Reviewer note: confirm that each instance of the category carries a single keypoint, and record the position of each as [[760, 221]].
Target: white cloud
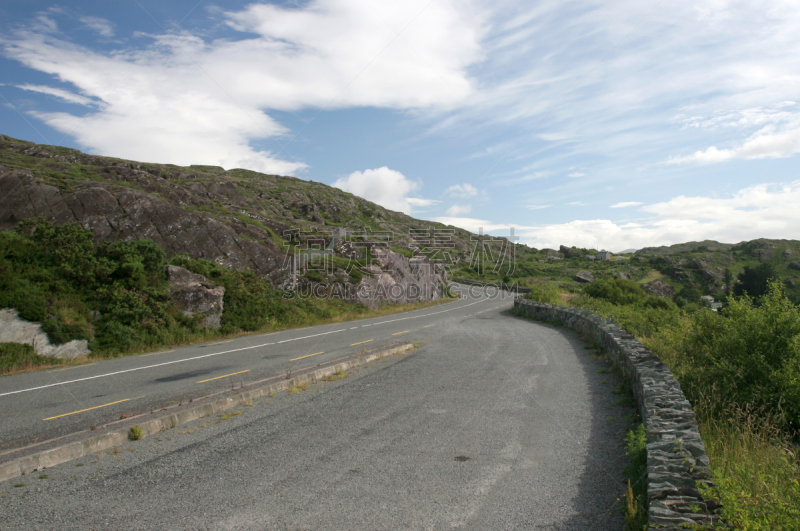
[[463, 191], [537, 207], [577, 174], [58, 93], [458, 210], [760, 211], [553, 137], [388, 188], [100, 25], [476, 225], [768, 142], [576, 203], [188, 100], [419, 202], [625, 204]]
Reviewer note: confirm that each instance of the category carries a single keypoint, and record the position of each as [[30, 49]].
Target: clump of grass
[[135, 433], [17, 357], [338, 375], [42, 476], [298, 388], [229, 414], [635, 506], [755, 469]]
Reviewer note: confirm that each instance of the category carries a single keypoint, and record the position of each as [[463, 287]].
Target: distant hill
[[705, 245]]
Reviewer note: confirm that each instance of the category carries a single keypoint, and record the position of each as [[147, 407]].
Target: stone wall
[[676, 459]]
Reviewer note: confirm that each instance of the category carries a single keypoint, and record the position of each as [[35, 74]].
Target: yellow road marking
[[73, 367], [361, 343], [218, 377], [87, 409], [480, 312], [308, 356], [428, 326], [219, 342], [154, 353], [403, 332]]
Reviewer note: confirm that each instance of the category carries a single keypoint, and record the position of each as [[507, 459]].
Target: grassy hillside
[[116, 295]]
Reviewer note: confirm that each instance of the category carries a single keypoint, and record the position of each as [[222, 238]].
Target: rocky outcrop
[[623, 275], [585, 277], [677, 465], [401, 280], [196, 295], [795, 265], [16, 330], [659, 289]]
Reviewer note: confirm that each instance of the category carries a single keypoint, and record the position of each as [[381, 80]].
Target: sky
[[600, 124]]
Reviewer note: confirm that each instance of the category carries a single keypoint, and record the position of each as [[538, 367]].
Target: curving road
[[494, 422]]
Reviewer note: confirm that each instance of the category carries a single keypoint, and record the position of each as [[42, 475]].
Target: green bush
[[135, 433], [617, 291], [21, 355], [547, 293]]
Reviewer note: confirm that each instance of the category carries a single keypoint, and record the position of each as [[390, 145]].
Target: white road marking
[[228, 351]]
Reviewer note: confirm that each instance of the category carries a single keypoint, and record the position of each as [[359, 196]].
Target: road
[[494, 422], [42, 405]]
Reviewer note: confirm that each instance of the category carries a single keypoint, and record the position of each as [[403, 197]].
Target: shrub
[[15, 356], [617, 291], [546, 293], [136, 433]]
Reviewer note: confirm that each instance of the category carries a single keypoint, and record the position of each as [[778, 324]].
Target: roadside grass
[[740, 370], [20, 357], [756, 471]]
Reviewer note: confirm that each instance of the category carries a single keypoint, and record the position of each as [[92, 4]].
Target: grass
[[135, 433], [635, 506], [20, 357], [756, 471], [338, 375], [298, 388]]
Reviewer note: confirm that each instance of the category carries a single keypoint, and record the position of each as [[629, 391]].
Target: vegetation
[[135, 433], [635, 507], [116, 295], [740, 368], [18, 356]]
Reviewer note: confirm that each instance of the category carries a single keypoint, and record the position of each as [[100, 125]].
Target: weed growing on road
[[298, 388], [635, 507], [338, 375], [226, 416], [136, 433]]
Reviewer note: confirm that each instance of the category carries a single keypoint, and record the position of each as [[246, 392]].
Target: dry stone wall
[[677, 464]]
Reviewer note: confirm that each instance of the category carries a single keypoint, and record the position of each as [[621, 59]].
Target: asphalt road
[[494, 422], [42, 405]]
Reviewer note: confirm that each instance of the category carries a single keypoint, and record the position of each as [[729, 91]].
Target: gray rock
[[585, 277], [795, 265], [624, 276], [659, 289], [196, 295], [16, 330]]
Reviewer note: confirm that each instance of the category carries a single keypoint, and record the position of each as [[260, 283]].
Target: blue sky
[[592, 123]]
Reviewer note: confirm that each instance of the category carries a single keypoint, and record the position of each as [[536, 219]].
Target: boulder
[[585, 277], [624, 276], [795, 265], [196, 295], [659, 289], [16, 330]]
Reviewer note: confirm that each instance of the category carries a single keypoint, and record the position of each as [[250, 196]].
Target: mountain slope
[[237, 218]]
